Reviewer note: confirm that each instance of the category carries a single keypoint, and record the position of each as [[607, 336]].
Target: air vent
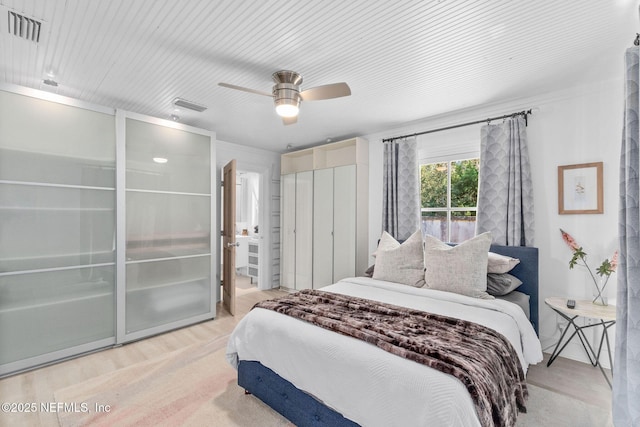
[[23, 27], [183, 103]]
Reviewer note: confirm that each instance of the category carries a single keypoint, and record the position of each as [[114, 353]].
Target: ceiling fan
[[287, 95]]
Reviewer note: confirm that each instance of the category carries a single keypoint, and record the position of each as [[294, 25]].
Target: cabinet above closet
[[348, 152]]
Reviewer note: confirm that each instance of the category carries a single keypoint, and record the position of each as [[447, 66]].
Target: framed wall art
[[580, 189]]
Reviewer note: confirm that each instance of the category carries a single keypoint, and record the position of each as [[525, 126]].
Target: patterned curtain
[[505, 193], [401, 196], [626, 375]]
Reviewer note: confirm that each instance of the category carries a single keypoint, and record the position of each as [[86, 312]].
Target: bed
[[315, 377]]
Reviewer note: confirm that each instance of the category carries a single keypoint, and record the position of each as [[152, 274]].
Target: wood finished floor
[[568, 377]]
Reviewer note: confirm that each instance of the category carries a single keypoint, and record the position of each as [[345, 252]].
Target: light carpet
[[195, 386]]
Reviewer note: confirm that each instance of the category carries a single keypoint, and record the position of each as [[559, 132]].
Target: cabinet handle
[[231, 244]]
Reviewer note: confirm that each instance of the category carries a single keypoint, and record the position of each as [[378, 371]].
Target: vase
[[600, 291]]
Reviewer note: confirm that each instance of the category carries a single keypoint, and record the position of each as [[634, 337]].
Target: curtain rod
[[520, 113]]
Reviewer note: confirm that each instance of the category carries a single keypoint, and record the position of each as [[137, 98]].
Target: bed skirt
[[294, 404]]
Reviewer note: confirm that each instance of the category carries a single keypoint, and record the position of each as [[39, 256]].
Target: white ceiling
[[404, 60]]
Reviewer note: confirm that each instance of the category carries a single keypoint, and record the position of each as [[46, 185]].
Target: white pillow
[[500, 263], [400, 263], [461, 269], [386, 243]]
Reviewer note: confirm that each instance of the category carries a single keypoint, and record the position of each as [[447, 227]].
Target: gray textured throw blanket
[[482, 359]]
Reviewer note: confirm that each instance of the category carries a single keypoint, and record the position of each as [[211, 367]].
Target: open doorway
[[248, 231]]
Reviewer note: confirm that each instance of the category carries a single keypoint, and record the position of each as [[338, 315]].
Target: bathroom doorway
[[262, 214], [248, 231]]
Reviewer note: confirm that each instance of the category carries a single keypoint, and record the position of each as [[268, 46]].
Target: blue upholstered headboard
[[527, 271]]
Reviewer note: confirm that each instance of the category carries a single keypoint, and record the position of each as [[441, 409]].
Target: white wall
[[579, 125], [267, 164]]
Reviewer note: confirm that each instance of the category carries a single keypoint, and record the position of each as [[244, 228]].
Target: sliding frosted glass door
[[168, 228], [57, 231]]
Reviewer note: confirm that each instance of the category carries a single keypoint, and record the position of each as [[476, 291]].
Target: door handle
[[231, 244]]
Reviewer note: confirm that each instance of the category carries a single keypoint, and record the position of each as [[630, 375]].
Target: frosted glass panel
[[160, 292], [44, 227], [33, 167], [67, 145], [45, 312], [167, 225], [187, 167]]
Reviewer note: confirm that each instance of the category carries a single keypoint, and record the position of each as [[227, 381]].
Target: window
[[449, 195]]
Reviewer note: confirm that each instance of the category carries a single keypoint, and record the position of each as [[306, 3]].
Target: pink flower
[[570, 241], [614, 261]]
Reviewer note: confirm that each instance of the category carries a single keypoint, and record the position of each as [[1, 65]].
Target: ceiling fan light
[[287, 107]]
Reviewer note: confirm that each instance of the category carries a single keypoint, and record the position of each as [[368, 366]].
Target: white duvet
[[367, 384]]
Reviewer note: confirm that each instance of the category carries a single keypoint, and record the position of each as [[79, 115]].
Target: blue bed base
[[300, 408], [304, 410]]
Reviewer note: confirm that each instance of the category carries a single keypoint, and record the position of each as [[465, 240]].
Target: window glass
[[449, 194], [433, 179], [463, 225], [435, 224], [464, 183]]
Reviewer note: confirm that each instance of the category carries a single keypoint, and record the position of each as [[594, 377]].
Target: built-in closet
[[100, 243], [324, 219]]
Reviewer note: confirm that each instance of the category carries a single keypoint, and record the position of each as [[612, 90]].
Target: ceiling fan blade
[[245, 89], [289, 120], [334, 90]]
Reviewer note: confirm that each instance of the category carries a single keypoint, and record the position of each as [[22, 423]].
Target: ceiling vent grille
[[179, 102], [24, 27]]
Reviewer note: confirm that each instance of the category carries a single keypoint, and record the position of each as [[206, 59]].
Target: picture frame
[[580, 189]]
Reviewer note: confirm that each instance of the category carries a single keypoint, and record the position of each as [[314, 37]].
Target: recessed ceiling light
[[160, 160], [50, 82], [175, 118]]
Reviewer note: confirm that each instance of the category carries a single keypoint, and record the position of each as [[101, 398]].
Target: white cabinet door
[[304, 230], [322, 228], [288, 243], [242, 253], [344, 224]]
